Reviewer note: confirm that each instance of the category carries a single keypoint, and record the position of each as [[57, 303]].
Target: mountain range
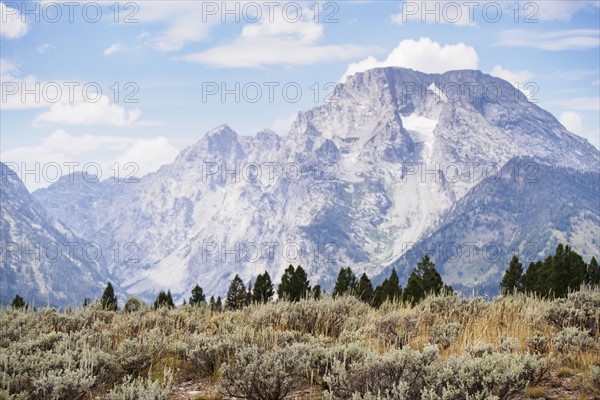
[[398, 163]]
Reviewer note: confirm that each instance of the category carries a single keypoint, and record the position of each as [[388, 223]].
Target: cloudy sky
[[135, 82]]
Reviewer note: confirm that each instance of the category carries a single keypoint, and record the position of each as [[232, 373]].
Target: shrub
[[258, 375], [450, 308], [509, 345], [491, 376], [397, 370], [579, 309], [445, 334], [207, 352], [538, 343], [317, 317], [133, 304], [134, 356], [479, 350], [142, 388], [62, 384], [572, 340], [594, 379], [395, 329], [276, 350]]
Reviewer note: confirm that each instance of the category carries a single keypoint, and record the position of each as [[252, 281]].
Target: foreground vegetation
[[444, 347]]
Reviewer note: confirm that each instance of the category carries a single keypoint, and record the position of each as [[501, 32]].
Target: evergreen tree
[[414, 290], [378, 298], [301, 283], [263, 288], [212, 303], [390, 290], [447, 289], [316, 292], [393, 290], [18, 303], [512, 280], [161, 300], [219, 304], [109, 300], [533, 280], [294, 284], [423, 281], [164, 300], [364, 289], [197, 296], [346, 283], [557, 274], [286, 285], [568, 271], [86, 302], [432, 281], [593, 277], [236, 295]]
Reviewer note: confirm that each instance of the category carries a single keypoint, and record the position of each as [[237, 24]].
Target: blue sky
[[169, 71]]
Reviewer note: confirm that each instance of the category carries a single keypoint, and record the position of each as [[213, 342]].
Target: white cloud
[[184, 22], [511, 76], [12, 25], [573, 74], [465, 13], [423, 55], [147, 155], [563, 10], [239, 55], [82, 112], [43, 47], [14, 86], [444, 12], [19, 93], [518, 79], [282, 126], [582, 103], [574, 39], [119, 47], [278, 42], [175, 23], [114, 48], [7, 69], [572, 121]]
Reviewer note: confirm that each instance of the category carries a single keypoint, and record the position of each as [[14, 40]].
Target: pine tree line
[[556, 276], [294, 286], [423, 281]]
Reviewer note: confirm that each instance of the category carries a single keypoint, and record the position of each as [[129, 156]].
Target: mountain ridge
[[350, 184], [41, 259]]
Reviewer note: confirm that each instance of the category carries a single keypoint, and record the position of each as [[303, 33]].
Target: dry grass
[[504, 324], [536, 392]]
